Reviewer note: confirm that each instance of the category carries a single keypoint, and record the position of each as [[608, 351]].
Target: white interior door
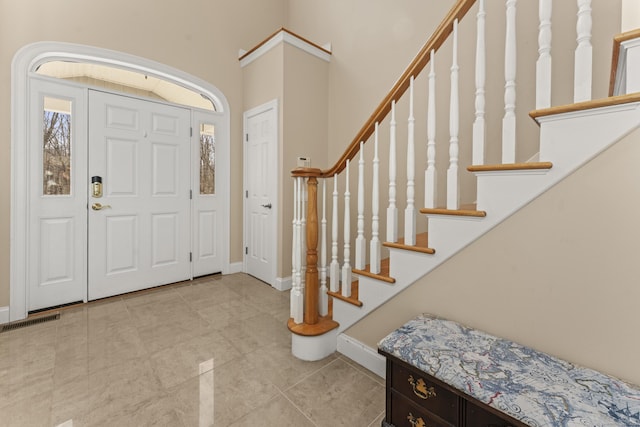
[[57, 192], [141, 235], [261, 168]]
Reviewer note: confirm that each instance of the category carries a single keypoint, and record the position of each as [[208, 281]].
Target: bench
[[441, 373]]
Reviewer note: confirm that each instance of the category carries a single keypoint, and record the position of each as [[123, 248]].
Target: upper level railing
[[309, 303]]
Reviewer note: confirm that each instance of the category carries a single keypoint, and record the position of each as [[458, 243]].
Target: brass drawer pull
[[416, 422], [420, 388]]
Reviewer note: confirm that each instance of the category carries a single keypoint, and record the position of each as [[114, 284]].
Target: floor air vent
[[29, 322]]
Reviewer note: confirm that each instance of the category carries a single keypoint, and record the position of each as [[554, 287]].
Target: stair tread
[[383, 275], [586, 105], [511, 167], [422, 244], [465, 210], [324, 325], [353, 299]]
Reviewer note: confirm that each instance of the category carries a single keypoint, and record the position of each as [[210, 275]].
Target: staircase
[[329, 296]]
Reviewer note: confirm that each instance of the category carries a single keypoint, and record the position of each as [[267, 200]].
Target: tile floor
[[211, 352]]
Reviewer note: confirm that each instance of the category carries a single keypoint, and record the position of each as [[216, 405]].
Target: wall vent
[[24, 323]]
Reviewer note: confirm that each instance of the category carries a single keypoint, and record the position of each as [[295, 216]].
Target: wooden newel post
[[312, 285]]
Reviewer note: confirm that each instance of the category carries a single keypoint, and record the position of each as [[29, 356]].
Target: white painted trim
[[271, 105], [314, 348], [24, 63], [235, 267], [284, 37], [283, 283], [4, 315], [362, 354]]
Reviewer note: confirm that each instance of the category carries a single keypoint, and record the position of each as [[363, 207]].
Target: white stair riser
[[572, 139], [496, 189], [448, 234], [346, 314]]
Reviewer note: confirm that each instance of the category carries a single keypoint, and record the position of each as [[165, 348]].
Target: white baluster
[[431, 175], [297, 297], [303, 234], [361, 243], [323, 297], [374, 245], [346, 266], [509, 120], [584, 54], [543, 65], [392, 210], [479, 131], [294, 248], [334, 267], [453, 185], [410, 210]]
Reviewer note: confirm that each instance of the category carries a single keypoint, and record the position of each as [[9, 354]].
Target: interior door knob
[[99, 206], [268, 206]]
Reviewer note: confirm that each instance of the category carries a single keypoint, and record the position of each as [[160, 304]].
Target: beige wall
[[372, 43], [263, 82], [202, 40], [305, 132], [299, 81], [561, 275]]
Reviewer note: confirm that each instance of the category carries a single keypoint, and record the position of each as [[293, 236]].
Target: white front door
[[261, 168], [139, 228], [57, 195]]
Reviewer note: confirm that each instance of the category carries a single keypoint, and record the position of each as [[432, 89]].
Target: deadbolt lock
[[96, 186]]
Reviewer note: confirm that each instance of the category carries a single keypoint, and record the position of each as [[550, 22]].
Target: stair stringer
[[568, 140]]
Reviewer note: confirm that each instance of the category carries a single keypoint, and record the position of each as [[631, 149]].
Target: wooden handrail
[[440, 35]]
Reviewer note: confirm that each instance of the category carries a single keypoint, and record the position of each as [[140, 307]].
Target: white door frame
[[24, 64], [271, 105]]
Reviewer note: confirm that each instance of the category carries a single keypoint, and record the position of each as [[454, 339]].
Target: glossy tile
[[70, 402], [211, 352], [156, 411], [275, 363], [277, 412], [120, 389], [226, 394], [354, 398], [32, 412], [207, 294], [177, 364]]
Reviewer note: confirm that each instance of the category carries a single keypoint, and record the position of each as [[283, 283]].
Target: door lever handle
[[268, 206], [99, 206]]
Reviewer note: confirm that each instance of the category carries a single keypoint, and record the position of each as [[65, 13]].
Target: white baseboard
[[362, 354], [235, 267], [4, 315], [283, 283]]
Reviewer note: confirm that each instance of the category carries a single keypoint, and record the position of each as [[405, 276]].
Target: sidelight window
[[56, 148], [207, 159]]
